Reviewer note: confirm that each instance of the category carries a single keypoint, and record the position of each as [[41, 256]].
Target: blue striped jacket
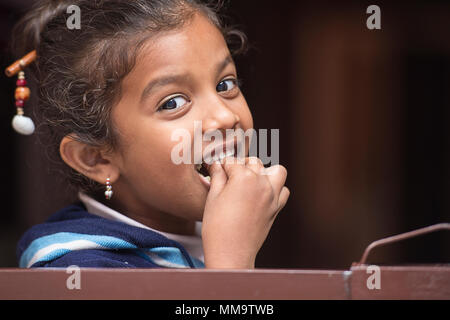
[[73, 236]]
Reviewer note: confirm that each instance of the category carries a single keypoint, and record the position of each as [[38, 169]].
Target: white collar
[[193, 244]]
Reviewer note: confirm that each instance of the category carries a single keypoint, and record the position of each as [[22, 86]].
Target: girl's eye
[[174, 103], [226, 85]]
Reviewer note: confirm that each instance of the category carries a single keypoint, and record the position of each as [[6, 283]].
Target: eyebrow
[[179, 78]]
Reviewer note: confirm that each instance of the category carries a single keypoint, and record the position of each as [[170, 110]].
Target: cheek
[[149, 158], [156, 179], [153, 155]]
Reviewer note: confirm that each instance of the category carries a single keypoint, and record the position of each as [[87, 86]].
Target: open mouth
[[218, 155], [201, 169]]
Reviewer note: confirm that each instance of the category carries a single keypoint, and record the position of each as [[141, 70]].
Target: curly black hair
[[79, 72]]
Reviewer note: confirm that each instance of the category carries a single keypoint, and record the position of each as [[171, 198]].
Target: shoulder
[[73, 236], [62, 221]]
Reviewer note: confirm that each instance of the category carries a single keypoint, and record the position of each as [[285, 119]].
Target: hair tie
[[21, 123]]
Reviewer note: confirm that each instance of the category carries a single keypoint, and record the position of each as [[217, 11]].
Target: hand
[[240, 209]]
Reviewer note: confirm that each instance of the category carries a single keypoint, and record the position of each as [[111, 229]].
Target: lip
[[203, 180]]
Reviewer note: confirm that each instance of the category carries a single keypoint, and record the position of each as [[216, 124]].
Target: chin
[[193, 207], [198, 208]]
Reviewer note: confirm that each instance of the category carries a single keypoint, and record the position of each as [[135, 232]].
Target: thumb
[[218, 178]]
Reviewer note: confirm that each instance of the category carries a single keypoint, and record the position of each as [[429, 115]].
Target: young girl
[[111, 94]]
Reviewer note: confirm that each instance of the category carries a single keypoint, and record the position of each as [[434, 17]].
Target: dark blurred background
[[364, 130]]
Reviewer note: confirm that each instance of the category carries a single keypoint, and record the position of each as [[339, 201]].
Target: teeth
[[230, 153], [211, 160], [226, 155], [208, 178], [208, 160]]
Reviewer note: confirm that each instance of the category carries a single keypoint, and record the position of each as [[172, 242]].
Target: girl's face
[[180, 77]]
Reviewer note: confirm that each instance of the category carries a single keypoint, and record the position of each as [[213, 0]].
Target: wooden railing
[[360, 282]]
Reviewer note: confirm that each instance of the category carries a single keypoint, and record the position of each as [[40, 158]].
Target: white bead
[[108, 194], [23, 125]]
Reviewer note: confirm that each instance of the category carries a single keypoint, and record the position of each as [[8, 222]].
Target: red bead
[[20, 103], [21, 83]]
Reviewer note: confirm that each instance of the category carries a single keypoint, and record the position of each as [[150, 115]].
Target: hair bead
[[22, 93], [22, 124]]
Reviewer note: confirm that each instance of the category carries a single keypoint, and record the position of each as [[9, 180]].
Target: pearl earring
[[108, 192]]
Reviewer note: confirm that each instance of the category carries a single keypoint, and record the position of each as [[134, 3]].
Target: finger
[[255, 164], [218, 178], [233, 166], [282, 200], [277, 176], [284, 196]]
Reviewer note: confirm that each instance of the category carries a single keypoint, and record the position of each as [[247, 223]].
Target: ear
[[88, 160]]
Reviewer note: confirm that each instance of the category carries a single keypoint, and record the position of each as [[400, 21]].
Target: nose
[[219, 116]]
